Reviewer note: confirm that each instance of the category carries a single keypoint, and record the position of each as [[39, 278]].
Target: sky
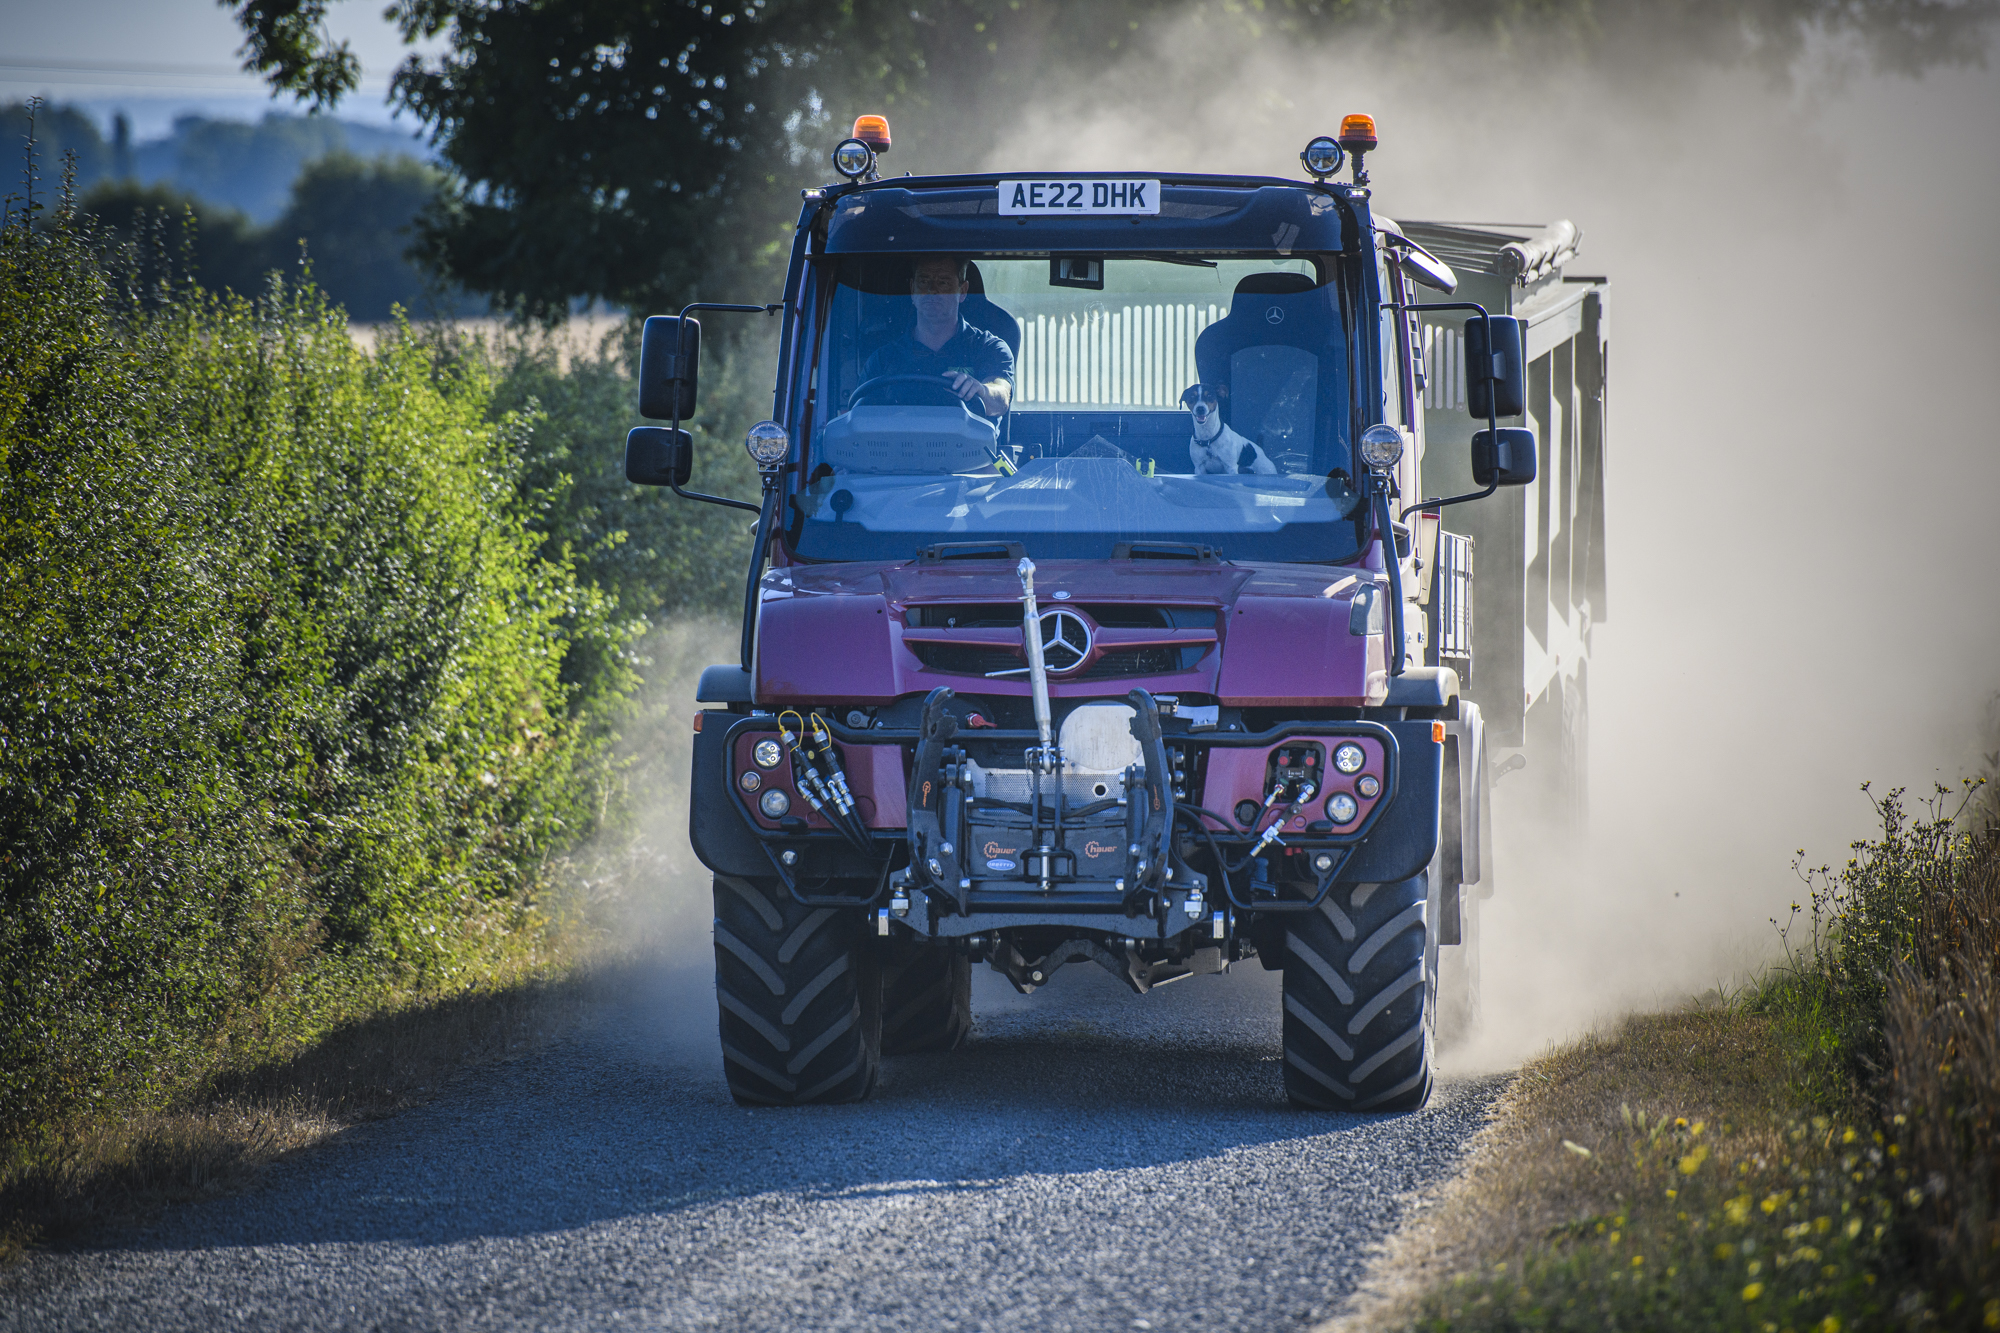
[[155, 59]]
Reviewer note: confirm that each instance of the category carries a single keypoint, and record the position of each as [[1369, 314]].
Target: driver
[[977, 366]]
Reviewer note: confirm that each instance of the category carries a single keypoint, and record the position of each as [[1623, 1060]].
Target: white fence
[[1444, 364], [1125, 355]]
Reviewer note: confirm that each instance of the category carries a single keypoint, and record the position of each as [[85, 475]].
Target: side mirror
[[667, 368], [656, 456], [1496, 377], [1505, 458]]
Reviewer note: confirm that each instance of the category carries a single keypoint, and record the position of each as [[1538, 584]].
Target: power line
[[158, 69]]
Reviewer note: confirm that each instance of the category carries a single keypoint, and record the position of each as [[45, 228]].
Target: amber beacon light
[[874, 131], [1357, 136]]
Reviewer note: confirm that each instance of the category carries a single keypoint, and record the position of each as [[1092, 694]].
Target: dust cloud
[[1800, 467], [638, 885]]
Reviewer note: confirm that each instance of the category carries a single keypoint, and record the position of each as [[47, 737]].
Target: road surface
[[1093, 1160]]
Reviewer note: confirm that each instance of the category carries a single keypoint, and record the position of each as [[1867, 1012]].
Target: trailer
[[1152, 570]]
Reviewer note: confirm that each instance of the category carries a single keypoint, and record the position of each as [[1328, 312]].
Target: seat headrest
[[1274, 284]]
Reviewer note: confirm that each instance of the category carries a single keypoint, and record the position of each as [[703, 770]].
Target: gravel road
[[1093, 1160]]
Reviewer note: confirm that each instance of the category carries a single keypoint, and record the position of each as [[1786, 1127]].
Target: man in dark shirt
[[976, 365]]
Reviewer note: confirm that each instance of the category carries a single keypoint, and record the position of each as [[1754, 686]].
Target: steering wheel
[[933, 390]]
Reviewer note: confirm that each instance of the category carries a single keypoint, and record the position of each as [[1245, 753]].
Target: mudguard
[[721, 838], [1406, 836]]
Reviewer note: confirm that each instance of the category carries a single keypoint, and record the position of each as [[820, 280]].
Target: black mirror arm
[[680, 359], [1448, 500], [1492, 418], [1379, 483], [717, 500], [763, 538]]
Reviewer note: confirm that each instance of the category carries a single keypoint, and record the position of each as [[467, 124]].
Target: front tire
[[1360, 998], [798, 994], [926, 997]]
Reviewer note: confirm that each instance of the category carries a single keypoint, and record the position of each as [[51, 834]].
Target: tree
[[353, 218], [642, 150], [58, 131]]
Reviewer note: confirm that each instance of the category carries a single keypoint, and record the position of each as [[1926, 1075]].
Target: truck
[[1157, 642]]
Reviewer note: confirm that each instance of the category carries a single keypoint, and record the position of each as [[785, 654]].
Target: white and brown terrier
[[1215, 447]]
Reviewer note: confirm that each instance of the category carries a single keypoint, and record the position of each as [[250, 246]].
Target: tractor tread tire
[[797, 996], [926, 997], [1359, 1009]]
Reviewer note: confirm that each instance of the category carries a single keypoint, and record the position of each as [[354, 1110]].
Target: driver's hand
[[973, 391]]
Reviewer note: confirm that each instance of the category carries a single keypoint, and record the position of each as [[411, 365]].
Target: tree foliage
[[644, 151], [290, 695]]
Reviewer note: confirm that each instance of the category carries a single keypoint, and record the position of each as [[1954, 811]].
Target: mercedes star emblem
[[1066, 641], [1275, 315]]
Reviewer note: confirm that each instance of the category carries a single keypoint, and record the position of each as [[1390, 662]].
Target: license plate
[[1074, 198]]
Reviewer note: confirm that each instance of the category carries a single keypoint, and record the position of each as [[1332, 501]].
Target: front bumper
[[1394, 839]]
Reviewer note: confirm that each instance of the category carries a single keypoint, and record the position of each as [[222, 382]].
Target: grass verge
[[1820, 1154]]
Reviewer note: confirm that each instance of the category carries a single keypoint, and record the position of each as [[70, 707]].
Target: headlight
[[767, 754], [1322, 157], [768, 444], [852, 158], [776, 805], [1370, 786], [749, 781], [1348, 758], [1381, 446], [1340, 807]]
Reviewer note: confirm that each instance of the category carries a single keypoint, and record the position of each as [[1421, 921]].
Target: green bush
[[653, 552], [290, 704]]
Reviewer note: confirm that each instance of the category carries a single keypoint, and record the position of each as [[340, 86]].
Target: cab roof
[[1235, 214]]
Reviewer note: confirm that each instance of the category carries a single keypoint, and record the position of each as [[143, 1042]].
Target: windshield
[[1071, 404]]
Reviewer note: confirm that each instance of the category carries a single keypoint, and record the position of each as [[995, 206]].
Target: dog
[[1215, 447]]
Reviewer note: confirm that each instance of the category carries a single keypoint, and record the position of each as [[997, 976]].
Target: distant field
[[582, 334]]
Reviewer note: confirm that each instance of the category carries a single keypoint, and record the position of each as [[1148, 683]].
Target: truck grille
[[1111, 615], [971, 660]]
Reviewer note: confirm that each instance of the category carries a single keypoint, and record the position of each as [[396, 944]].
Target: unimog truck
[[1191, 632]]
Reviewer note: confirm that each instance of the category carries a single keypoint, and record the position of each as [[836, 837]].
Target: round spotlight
[[852, 158], [1340, 807], [767, 754], [776, 805], [1323, 157], [1349, 757], [768, 444], [1370, 786], [1381, 446], [749, 781]]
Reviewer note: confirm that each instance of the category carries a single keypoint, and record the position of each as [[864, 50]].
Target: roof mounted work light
[[853, 159], [1322, 157]]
